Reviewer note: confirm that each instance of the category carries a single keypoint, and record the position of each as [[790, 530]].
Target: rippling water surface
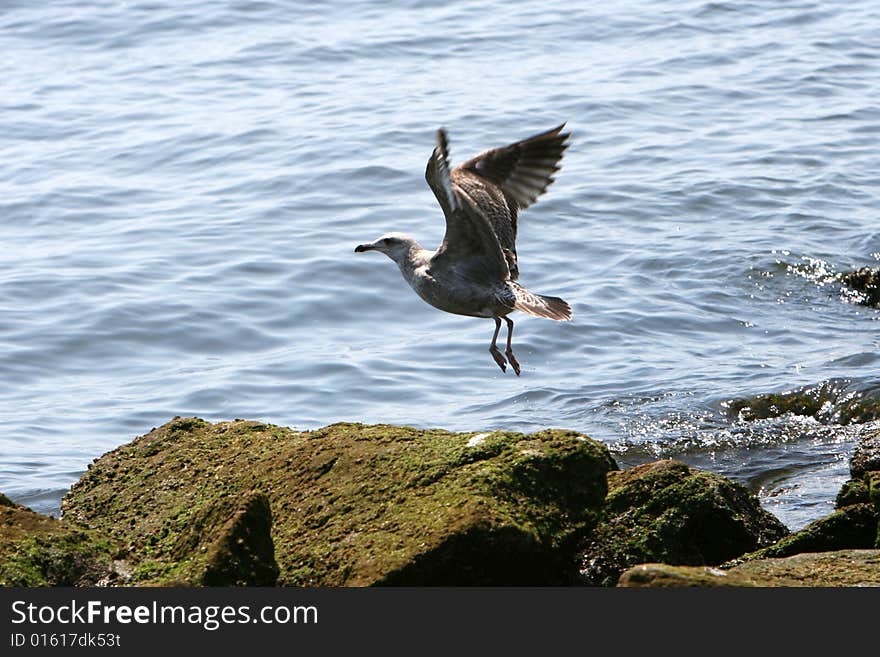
[[182, 185]]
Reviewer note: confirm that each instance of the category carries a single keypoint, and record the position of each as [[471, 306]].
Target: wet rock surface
[[350, 504], [250, 504], [38, 550], [838, 568], [852, 527], [866, 457], [829, 403], [666, 511], [866, 282]]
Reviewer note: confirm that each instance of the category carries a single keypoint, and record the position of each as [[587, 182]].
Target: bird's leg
[[510, 357], [496, 354]]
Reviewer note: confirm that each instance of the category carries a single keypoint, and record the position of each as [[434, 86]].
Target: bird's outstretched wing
[[523, 170], [437, 175], [502, 181], [470, 246]]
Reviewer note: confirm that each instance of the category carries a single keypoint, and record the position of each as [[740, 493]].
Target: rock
[[829, 403], [852, 527], [852, 492], [838, 568], [665, 511], [833, 551], [865, 281], [859, 498], [874, 490], [866, 457], [38, 550], [235, 537], [349, 504], [243, 554]]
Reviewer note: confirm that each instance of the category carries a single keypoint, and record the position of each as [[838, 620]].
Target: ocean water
[[182, 185]]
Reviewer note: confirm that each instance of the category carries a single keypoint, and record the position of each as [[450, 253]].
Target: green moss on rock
[[866, 457], [352, 504], [828, 403], [874, 489], [665, 511], [863, 489], [661, 575], [239, 549], [854, 491], [852, 527], [823, 569], [38, 550], [865, 281]]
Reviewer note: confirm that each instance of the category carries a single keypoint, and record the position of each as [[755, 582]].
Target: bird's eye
[[386, 241]]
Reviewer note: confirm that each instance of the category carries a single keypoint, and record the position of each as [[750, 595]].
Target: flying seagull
[[474, 272]]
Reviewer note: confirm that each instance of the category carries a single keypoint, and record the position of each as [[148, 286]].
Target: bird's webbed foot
[[499, 358], [514, 363]]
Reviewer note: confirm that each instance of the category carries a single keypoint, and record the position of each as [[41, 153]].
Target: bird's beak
[[360, 248]]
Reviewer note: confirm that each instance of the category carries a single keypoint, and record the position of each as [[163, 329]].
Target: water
[[182, 185]]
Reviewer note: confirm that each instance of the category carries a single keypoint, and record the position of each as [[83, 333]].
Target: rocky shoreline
[[251, 504]]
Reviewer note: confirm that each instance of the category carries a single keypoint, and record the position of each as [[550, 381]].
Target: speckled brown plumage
[[475, 269], [503, 181]]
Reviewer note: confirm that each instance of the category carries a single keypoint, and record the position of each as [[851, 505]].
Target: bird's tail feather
[[541, 306]]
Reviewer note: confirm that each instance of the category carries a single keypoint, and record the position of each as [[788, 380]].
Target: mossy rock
[[39, 550], [235, 537], [865, 281], [351, 504], [864, 487], [822, 569], [667, 512], [854, 491], [828, 403], [873, 479], [852, 527], [866, 457]]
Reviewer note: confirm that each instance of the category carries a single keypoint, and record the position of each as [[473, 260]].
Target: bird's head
[[395, 245]]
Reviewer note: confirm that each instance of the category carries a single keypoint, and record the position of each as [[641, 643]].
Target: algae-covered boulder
[[838, 568], [829, 403], [666, 511], [864, 467], [852, 527], [866, 457], [346, 505], [38, 550], [866, 282], [854, 491], [860, 496], [873, 479], [228, 542]]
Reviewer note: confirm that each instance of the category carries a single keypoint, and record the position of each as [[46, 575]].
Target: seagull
[[474, 272]]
